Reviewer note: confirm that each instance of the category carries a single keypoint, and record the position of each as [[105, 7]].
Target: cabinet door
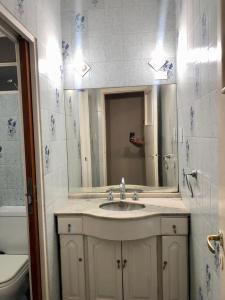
[[105, 270], [140, 269], [174, 267], [72, 267]]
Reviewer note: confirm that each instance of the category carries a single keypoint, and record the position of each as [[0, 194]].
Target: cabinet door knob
[[164, 264], [118, 263], [80, 259], [124, 263], [69, 227], [175, 229]]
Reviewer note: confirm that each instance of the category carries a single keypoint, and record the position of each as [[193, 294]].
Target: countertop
[[102, 192], [153, 207]]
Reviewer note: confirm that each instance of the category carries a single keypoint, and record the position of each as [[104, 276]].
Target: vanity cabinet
[[104, 269], [96, 267], [174, 267], [122, 270], [140, 269], [72, 267]]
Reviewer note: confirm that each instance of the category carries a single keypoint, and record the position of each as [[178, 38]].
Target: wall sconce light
[[163, 67], [79, 64], [157, 62], [82, 68]]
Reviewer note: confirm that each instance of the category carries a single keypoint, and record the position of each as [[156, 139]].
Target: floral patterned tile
[[20, 7], [96, 3]]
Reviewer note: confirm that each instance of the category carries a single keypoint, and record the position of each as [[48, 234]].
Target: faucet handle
[[110, 195], [135, 196]]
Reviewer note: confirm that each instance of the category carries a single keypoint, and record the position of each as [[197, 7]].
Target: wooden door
[[174, 267], [29, 146], [105, 269], [140, 269], [125, 115]]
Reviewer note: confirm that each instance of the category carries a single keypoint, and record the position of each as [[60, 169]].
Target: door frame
[[151, 121], [14, 29], [85, 139], [221, 144], [101, 108]]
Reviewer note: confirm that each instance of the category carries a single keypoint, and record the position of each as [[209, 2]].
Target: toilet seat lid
[[11, 266]]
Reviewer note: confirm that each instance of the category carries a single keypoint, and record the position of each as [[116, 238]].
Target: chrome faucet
[[122, 189]]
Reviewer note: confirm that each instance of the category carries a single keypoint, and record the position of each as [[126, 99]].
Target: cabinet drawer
[[173, 226], [70, 225]]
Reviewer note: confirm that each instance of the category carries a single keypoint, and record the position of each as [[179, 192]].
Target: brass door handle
[[214, 237]]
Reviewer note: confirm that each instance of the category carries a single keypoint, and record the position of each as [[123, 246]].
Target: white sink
[[122, 206]]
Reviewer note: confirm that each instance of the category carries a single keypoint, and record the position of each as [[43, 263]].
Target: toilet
[[13, 277], [14, 259]]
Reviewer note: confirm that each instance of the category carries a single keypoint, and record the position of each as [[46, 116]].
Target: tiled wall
[[116, 39], [197, 113], [42, 18], [11, 159]]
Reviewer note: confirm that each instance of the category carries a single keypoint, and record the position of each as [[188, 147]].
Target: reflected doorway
[[124, 124]]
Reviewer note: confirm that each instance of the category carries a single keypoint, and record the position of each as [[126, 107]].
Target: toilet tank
[[13, 230]]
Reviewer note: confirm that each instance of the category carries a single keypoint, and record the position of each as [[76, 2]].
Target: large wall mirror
[[128, 132]]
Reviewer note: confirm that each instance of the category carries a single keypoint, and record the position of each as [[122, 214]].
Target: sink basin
[[128, 190], [121, 206]]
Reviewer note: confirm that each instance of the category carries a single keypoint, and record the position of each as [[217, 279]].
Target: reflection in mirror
[[122, 132], [14, 244]]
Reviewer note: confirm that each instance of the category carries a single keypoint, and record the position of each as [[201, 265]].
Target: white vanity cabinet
[[174, 267], [104, 269], [72, 267], [150, 267], [140, 269], [122, 270]]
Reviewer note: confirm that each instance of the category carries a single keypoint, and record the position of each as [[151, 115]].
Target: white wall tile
[[197, 81], [117, 31], [11, 159]]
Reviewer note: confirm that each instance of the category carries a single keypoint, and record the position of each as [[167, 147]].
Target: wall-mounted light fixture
[[79, 64], [157, 62], [82, 68]]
